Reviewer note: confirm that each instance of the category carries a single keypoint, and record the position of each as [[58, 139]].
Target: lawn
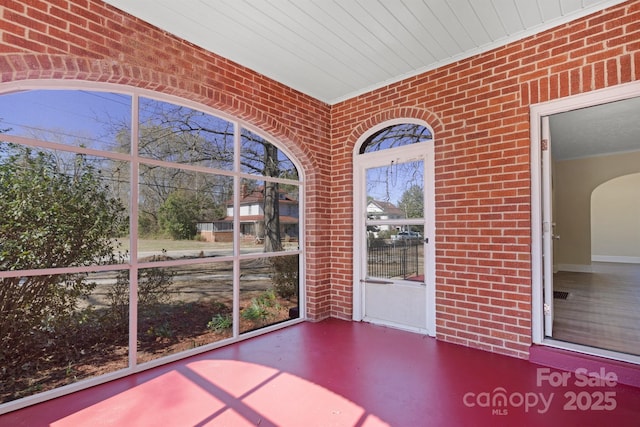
[[154, 245]]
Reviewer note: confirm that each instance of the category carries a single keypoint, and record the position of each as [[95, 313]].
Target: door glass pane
[[395, 224], [395, 252], [396, 190]]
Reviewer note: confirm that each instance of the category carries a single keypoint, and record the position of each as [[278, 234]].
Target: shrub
[[220, 323], [178, 215], [285, 273], [53, 215], [262, 307], [153, 291]]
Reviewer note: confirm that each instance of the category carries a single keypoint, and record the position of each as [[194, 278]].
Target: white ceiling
[[608, 128], [333, 50]]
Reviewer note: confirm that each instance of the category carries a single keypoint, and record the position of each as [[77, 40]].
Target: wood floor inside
[[602, 308]]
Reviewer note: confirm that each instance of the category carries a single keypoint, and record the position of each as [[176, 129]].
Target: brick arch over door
[[62, 70]]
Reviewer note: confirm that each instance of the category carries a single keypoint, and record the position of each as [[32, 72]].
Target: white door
[[394, 238], [548, 227]]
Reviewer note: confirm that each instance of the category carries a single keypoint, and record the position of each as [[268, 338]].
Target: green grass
[[157, 245], [153, 245]]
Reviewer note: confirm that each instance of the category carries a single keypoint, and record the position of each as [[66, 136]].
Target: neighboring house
[[377, 209], [252, 218]]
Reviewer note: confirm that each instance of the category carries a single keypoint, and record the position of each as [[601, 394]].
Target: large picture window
[[136, 229]]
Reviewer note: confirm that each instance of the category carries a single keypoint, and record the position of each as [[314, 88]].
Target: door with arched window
[[394, 227]]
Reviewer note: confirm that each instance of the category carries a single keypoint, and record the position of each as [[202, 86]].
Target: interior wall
[[574, 182], [615, 220]]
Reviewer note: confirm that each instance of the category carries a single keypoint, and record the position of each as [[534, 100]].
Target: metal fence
[[393, 260]]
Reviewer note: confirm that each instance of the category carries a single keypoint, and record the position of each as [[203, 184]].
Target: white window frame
[[134, 265]]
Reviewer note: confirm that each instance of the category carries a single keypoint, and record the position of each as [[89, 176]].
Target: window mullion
[[236, 230], [133, 235]]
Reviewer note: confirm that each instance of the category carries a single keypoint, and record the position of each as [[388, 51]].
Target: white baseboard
[[621, 259], [576, 268]]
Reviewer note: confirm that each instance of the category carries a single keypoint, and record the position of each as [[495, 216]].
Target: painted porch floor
[[338, 373]]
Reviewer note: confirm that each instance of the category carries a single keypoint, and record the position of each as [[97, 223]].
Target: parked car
[[407, 235]]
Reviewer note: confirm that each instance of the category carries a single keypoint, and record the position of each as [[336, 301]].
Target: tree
[[396, 136], [178, 215], [272, 238], [181, 140], [53, 215], [412, 202], [186, 136]]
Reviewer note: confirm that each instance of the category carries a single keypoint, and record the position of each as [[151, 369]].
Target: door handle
[[377, 282]]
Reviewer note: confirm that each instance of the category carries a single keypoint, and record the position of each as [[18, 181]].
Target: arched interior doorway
[[615, 220]]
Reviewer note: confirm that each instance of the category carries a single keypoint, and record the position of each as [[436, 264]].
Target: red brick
[[478, 108]]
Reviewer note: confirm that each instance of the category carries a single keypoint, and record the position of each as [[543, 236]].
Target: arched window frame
[[365, 140], [236, 258]]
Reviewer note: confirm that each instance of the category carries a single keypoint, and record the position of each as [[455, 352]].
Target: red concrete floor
[[338, 373]]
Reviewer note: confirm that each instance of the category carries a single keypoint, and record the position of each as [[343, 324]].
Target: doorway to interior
[[394, 227], [585, 205]]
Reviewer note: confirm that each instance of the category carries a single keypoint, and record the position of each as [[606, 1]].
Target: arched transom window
[[397, 135]]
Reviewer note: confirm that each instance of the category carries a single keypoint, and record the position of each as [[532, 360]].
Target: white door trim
[[425, 151], [537, 112], [547, 226]]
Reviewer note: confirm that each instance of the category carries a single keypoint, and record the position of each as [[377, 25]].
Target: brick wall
[[91, 41], [479, 110]]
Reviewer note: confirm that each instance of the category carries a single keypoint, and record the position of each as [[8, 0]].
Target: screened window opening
[[119, 206], [398, 135]]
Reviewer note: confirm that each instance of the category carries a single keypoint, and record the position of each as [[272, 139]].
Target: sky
[[65, 113], [388, 183]]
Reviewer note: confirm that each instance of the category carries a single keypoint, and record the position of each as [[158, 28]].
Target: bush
[[384, 234], [178, 215], [53, 215], [220, 323], [153, 291], [285, 273]]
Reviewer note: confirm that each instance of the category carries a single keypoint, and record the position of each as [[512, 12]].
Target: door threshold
[[570, 357], [395, 325]]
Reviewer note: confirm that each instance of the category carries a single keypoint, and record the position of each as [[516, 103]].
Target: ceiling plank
[[333, 50]]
